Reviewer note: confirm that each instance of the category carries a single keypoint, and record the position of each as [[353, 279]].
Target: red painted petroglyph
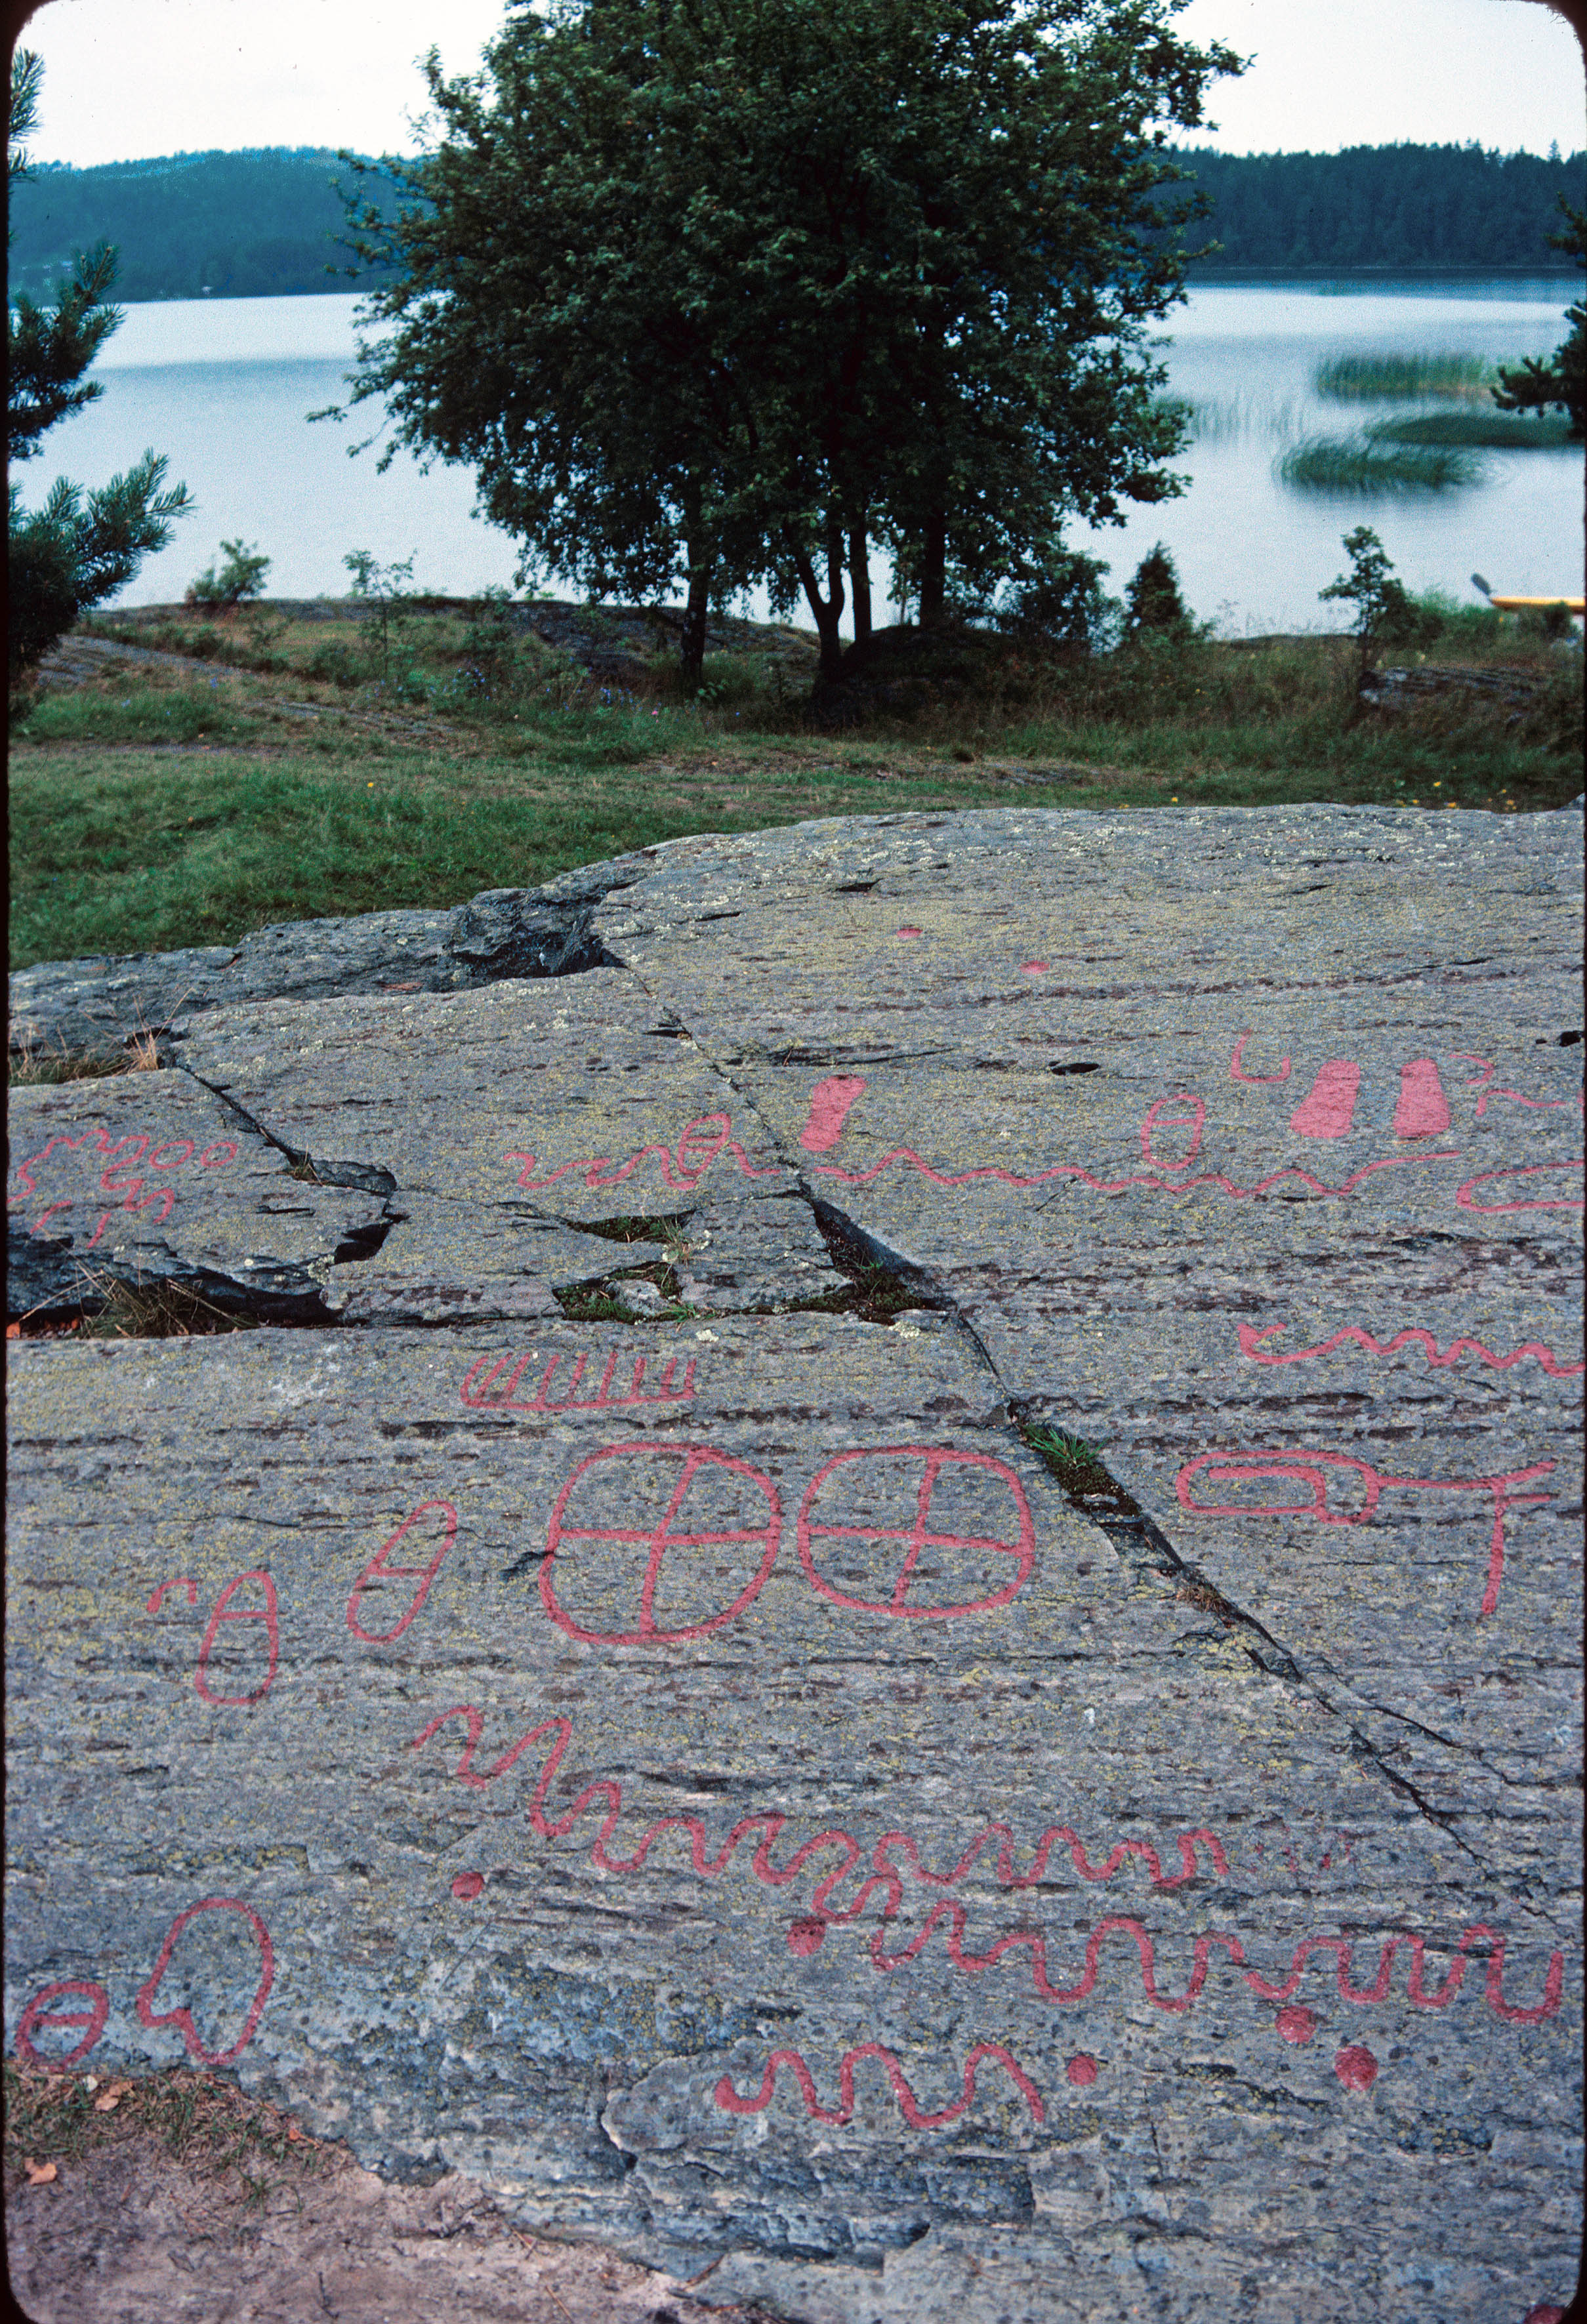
[[807, 1932], [1483, 1084], [659, 1539], [1330, 1108], [1155, 1185], [223, 1614], [483, 1385], [830, 1102], [119, 1155], [182, 1582], [1159, 1119], [377, 1570], [705, 1139], [728, 2097], [1236, 1071], [1356, 2067], [1422, 1110], [916, 1538], [40, 2016], [1312, 1470], [953, 1917], [1466, 1195], [605, 1795], [1251, 1345], [181, 2017]]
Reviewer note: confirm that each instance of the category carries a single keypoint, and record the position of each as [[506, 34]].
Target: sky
[[128, 78]]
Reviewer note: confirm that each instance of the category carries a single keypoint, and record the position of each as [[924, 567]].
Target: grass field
[[153, 808]]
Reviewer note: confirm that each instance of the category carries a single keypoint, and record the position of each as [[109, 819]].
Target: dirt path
[[125, 2232]]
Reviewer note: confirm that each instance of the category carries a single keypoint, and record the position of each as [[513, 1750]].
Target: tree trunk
[[860, 578], [932, 569], [691, 649], [827, 610]]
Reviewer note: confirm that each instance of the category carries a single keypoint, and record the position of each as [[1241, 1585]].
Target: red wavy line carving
[[702, 1142], [1251, 1345], [1031, 1941], [728, 2097], [1158, 1185], [769, 1824], [885, 1876]]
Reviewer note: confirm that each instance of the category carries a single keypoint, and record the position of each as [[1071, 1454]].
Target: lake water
[[224, 387]]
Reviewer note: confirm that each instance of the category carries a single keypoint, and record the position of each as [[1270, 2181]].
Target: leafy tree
[[1386, 612], [723, 291], [1562, 382], [79, 548], [239, 579]]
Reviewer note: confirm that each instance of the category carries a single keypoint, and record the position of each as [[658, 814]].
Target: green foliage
[[1474, 428], [77, 549], [261, 223], [1376, 466], [1065, 605], [386, 589], [728, 293], [1399, 378], [241, 576], [1387, 614], [1153, 605], [1379, 205], [1561, 384]]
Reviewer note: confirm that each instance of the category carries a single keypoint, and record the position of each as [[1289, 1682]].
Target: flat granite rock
[[745, 1781]]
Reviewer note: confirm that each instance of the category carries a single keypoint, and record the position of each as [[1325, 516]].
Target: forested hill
[[248, 225], [236, 226], [1384, 206]]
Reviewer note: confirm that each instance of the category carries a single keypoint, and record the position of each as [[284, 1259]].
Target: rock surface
[[582, 1699]]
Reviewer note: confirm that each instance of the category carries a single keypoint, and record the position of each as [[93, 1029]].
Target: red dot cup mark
[[916, 1537], [1356, 2067], [181, 2017], [807, 1937], [694, 1460], [1545, 2315], [1034, 968], [468, 1886], [907, 933], [222, 1615], [40, 2017], [1297, 2024], [377, 1570], [1168, 1115], [702, 1142], [1081, 2070]]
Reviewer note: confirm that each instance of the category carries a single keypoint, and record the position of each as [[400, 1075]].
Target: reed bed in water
[[1491, 430], [1398, 378], [1372, 467]]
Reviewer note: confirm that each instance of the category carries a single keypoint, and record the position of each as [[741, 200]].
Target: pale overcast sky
[[126, 78]]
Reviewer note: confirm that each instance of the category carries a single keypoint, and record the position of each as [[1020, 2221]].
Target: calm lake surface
[[225, 386]]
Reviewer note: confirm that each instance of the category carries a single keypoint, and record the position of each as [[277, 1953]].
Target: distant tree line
[[1384, 206], [266, 223], [254, 225]]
